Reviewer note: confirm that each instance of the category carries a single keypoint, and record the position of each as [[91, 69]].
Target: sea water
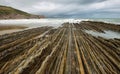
[[107, 34], [56, 22]]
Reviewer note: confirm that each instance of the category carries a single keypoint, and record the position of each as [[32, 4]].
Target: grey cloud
[[74, 1], [67, 8], [29, 2]]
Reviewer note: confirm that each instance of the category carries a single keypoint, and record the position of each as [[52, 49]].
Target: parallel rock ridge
[[65, 50]]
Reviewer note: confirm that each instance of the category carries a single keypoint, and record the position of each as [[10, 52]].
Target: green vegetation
[[4, 10], [12, 13]]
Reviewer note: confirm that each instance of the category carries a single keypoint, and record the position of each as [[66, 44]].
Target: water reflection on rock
[[108, 34]]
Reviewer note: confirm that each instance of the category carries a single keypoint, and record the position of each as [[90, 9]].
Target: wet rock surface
[[64, 50]]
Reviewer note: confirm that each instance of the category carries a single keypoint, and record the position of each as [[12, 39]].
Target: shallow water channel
[[108, 34]]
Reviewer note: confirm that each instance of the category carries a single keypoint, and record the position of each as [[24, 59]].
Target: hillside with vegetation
[[11, 13]]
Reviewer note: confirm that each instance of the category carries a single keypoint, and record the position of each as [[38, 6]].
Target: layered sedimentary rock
[[64, 50]]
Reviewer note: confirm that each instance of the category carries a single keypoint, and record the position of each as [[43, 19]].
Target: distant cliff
[[11, 13]]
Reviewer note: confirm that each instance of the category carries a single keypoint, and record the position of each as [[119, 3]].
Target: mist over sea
[[55, 22]]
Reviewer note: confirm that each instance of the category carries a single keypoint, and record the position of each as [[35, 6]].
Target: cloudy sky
[[68, 8]]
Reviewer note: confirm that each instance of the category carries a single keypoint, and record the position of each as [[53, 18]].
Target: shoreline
[[10, 27]]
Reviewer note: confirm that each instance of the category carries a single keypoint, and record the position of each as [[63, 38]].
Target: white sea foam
[[108, 34], [39, 22]]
